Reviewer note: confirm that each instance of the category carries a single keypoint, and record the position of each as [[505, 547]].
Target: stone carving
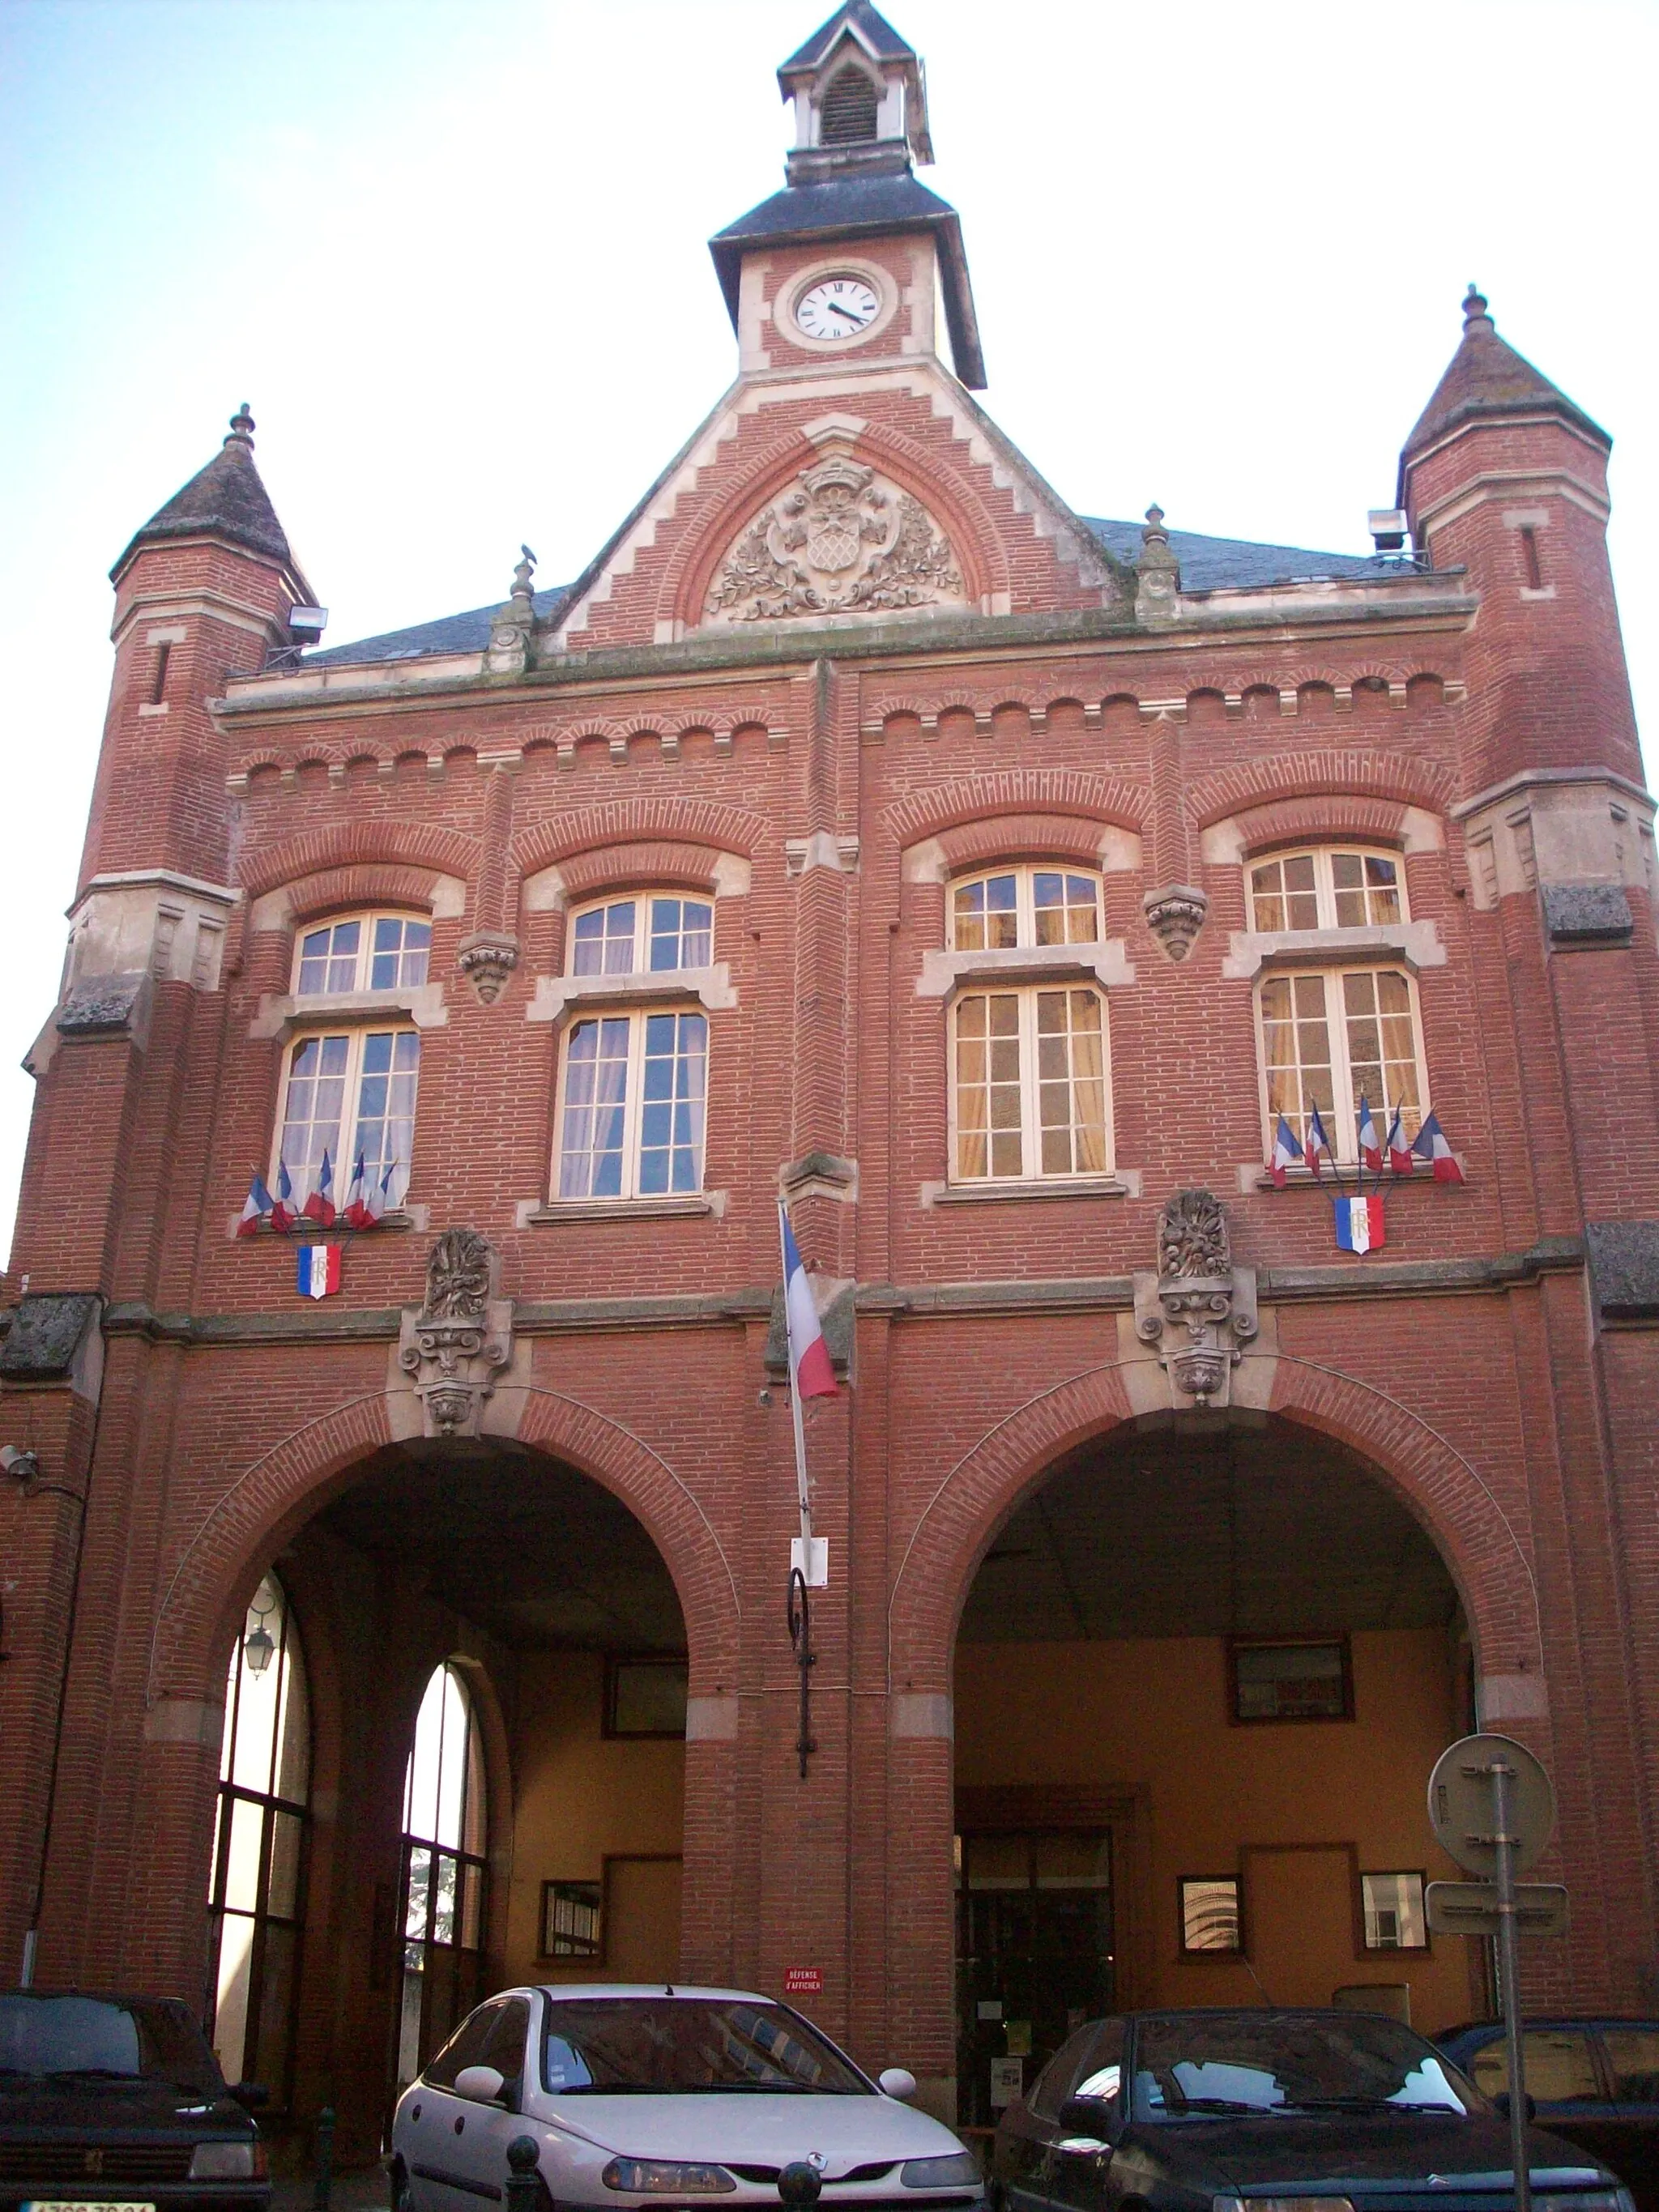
[[457, 1341], [1158, 574], [487, 958], [1175, 915], [513, 627], [1199, 1310], [842, 541]]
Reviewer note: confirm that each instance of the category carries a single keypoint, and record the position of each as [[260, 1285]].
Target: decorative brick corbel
[[487, 958]]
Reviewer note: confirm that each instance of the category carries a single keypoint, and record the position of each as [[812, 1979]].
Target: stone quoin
[[867, 826]]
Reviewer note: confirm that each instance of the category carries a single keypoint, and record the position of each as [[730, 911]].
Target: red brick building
[[863, 826]]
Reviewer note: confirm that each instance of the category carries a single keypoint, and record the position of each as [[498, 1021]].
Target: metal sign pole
[[1509, 1951]]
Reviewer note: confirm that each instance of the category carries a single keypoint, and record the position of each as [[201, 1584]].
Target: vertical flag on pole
[[1370, 1146], [1399, 1152], [284, 1212], [1429, 1144], [1287, 1153], [811, 1375], [1315, 1142], [258, 1209]]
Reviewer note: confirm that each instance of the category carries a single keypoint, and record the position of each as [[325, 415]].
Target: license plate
[[82, 2204]]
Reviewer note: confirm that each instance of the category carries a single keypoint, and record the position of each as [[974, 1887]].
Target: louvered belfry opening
[[848, 112]]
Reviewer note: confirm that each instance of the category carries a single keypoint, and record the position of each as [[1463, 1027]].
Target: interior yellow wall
[[1148, 1719], [580, 1795]]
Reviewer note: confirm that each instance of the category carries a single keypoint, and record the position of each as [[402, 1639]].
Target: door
[[1562, 2081], [445, 2171], [1631, 2049], [1035, 1958], [478, 2150]]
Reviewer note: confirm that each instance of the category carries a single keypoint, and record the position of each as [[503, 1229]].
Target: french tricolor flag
[[1429, 1144], [811, 1374], [1317, 1142], [319, 1207], [1287, 1153], [319, 1271], [284, 1212], [1399, 1152], [258, 1209], [355, 1213], [1359, 1223], [1370, 1144]]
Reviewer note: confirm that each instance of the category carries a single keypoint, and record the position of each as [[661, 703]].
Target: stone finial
[[1198, 1311], [1157, 595], [513, 627], [1474, 310], [522, 587], [241, 429]]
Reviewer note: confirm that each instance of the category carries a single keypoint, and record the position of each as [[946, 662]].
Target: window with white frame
[[1024, 905], [1328, 887], [1029, 1095], [652, 934], [345, 1092], [362, 952], [1334, 1037], [632, 1095]]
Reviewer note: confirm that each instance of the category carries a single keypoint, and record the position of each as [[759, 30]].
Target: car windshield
[[681, 2046], [103, 2039], [1195, 2064]]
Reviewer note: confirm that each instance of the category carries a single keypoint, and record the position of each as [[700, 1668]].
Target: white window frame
[[1030, 1105], [1324, 887], [1024, 872], [1343, 1130], [640, 902], [342, 1161], [636, 1016], [367, 917]]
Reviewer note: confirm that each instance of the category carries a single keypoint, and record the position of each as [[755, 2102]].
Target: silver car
[[658, 2097]]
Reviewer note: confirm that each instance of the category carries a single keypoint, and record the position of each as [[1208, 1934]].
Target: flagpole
[[802, 1492]]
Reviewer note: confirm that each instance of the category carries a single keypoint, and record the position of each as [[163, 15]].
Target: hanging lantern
[[257, 1649]]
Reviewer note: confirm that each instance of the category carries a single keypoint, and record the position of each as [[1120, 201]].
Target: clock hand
[[836, 308]]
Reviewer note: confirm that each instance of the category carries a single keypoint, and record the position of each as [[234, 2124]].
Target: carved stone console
[[1197, 1311], [457, 1342]]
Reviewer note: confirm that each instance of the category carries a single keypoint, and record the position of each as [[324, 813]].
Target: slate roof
[[224, 499], [1487, 376], [1207, 564], [883, 38]]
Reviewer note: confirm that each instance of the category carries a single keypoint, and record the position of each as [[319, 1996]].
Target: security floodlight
[[1387, 526]]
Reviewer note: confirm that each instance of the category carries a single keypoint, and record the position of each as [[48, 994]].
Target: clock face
[[837, 308]]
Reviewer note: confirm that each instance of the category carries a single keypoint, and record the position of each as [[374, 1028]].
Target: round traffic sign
[[1462, 1802]]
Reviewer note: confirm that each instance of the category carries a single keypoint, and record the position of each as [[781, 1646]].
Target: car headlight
[[957, 2169], [663, 2177], [227, 2161]]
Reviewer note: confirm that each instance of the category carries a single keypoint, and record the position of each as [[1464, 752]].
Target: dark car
[[1317, 2111], [1594, 2081], [109, 2101]]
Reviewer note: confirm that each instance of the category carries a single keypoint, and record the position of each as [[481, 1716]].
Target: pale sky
[[452, 252]]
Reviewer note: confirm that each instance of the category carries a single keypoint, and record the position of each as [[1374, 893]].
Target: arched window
[[256, 1894], [444, 1874], [849, 114]]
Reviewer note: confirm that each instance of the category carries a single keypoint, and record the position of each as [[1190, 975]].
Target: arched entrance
[[486, 1735], [1201, 1674]]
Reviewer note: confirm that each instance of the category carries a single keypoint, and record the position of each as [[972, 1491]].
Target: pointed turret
[[1486, 379], [861, 100], [226, 500]]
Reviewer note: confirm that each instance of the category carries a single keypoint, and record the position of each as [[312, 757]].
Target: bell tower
[[861, 100]]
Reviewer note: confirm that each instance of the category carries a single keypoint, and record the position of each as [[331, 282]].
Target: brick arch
[[1444, 1493], [282, 1488], [1074, 792], [631, 822], [953, 504], [366, 838], [1030, 837], [645, 860], [1317, 772], [1343, 814], [367, 882]]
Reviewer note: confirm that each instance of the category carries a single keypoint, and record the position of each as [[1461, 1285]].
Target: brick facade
[[822, 778]]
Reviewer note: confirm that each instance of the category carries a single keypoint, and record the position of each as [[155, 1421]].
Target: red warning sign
[[803, 1981]]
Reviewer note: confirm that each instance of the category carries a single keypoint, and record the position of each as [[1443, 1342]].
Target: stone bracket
[[1198, 1311]]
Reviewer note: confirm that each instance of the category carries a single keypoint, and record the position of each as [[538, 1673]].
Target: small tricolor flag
[[1286, 1152], [379, 1195], [1429, 1144], [355, 1213], [319, 1271], [258, 1207], [319, 1207], [284, 1212], [1317, 1142], [1399, 1152], [1370, 1146], [811, 1374], [1360, 1225]]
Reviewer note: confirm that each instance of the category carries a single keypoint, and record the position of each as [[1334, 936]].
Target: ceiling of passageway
[[529, 1549], [1246, 1532]]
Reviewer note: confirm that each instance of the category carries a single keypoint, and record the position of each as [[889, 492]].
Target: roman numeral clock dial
[[837, 307]]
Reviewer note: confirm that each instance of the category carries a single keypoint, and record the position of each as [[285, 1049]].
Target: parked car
[[1318, 2112], [115, 2100], [634, 2095], [1595, 2081]]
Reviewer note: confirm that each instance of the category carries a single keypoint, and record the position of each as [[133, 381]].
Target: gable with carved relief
[[840, 540]]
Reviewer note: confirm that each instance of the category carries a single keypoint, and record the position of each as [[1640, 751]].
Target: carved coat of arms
[[841, 540]]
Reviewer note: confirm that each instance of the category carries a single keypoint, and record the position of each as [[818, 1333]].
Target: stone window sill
[[281, 1018], [397, 1218], [1253, 1176], [1250, 950], [711, 987], [537, 1214], [1103, 962], [1124, 1183]]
